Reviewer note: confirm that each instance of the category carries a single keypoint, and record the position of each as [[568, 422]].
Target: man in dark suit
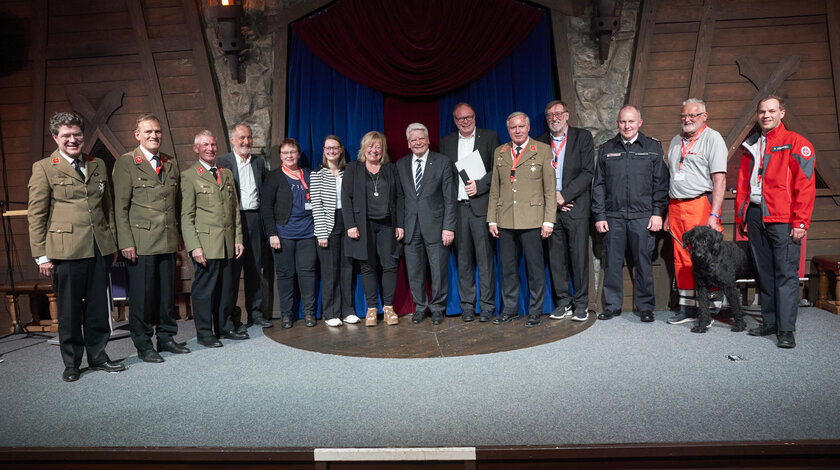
[[145, 198], [71, 232], [428, 182], [248, 175], [573, 159], [473, 246]]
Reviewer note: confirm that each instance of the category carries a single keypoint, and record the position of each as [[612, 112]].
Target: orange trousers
[[682, 217]]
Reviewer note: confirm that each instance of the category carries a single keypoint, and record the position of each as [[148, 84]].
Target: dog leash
[[677, 240]]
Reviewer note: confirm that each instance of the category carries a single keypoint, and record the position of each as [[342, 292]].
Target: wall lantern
[[227, 16]]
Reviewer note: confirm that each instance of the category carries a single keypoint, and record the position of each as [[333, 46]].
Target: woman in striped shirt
[[336, 269]]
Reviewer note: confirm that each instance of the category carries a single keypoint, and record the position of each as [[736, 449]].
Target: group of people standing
[[530, 194]]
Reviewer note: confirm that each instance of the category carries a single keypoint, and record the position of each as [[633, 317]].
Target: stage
[[619, 391]]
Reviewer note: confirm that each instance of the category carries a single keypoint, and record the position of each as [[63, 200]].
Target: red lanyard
[[300, 175], [515, 161], [684, 150], [558, 149]]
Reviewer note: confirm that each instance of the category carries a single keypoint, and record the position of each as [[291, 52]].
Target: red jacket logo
[[805, 151]]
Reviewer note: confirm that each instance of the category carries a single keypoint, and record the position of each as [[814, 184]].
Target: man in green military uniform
[[212, 232], [145, 196], [71, 231]]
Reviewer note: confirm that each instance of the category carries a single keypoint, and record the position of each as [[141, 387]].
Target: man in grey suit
[[473, 246], [428, 182], [573, 159], [248, 175]]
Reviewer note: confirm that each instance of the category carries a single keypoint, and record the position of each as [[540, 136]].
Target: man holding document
[[471, 149]]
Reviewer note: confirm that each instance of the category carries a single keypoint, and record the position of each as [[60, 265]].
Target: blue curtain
[[522, 82]]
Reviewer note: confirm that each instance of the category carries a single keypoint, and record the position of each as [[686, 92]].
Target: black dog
[[717, 263]]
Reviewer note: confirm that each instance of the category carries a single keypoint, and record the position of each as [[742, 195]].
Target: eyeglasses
[[288, 152], [465, 118], [555, 115], [332, 149], [692, 116]]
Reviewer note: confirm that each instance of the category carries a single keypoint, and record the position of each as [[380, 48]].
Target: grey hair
[[416, 126], [232, 128], [518, 113], [695, 100], [63, 118], [205, 132], [633, 107]]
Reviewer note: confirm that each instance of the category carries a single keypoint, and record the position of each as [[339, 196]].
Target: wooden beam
[[205, 78], [563, 63], [278, 86], [38, 59], [81, 50], [702, 51], [646, 25], [565, 7], [150, 73]]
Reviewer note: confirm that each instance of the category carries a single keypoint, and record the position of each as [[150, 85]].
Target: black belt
[[249, 210], [706, 194], [464, 203]]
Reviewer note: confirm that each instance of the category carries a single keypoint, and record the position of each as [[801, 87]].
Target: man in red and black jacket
[[774, 202]]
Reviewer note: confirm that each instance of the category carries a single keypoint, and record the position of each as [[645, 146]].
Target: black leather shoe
[[70, 374], [533, 321], [172, 347], [241, 328], [309, 321], [484, 317], [785, 340], [236, 336], [504, 318], [210, 343], [262, 322], [762, 330], [418, 317], [286, 322], [108, 366], [646, 317], [437, 318], [149, 355], [605, 315], [468, 316]]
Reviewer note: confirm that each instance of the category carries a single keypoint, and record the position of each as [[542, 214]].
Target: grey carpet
[[620, 381]]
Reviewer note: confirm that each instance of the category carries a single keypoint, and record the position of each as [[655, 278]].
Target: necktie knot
[[215, 172], [156, 165]]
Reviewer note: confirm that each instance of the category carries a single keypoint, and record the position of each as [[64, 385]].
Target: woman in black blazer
[[336, 268], [286, 211], [370, 196]]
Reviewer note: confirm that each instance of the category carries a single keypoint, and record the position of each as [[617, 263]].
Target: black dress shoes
[[646, 317], [309, 321], [418, 317], [262, 322], [504, 318], [70, 374], [286, 322], [484, 317], [210, 343], [437, 318], [149, 355], [533, 320], [235, 336], [468, 316], [785, 340], [606, 315], [172, 347], [108, 366], [762, 330]]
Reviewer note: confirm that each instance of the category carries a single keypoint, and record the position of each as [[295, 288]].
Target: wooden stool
[[33, 287], [825, 264]]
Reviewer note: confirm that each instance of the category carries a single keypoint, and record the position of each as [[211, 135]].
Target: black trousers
[[83, 309], [419, 253], [381, 239], [777, 261], [568, 247], [151, 296], [632, 232], [211, 298], [336, 275], [296, 257], [249, 262], [474, 248], [511, 243]]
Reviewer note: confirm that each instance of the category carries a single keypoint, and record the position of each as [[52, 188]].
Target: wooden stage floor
[[451, 338]]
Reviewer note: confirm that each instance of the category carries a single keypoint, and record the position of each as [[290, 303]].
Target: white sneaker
[[558, 315], [351, 319], [333, 322]]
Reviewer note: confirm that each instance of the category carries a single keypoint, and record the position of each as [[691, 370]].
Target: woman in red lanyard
[[287, 216]]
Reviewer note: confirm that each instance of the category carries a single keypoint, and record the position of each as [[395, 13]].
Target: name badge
[[679, 176], [308, 206]]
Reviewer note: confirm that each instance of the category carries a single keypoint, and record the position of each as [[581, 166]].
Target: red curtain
[[417, 47]]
